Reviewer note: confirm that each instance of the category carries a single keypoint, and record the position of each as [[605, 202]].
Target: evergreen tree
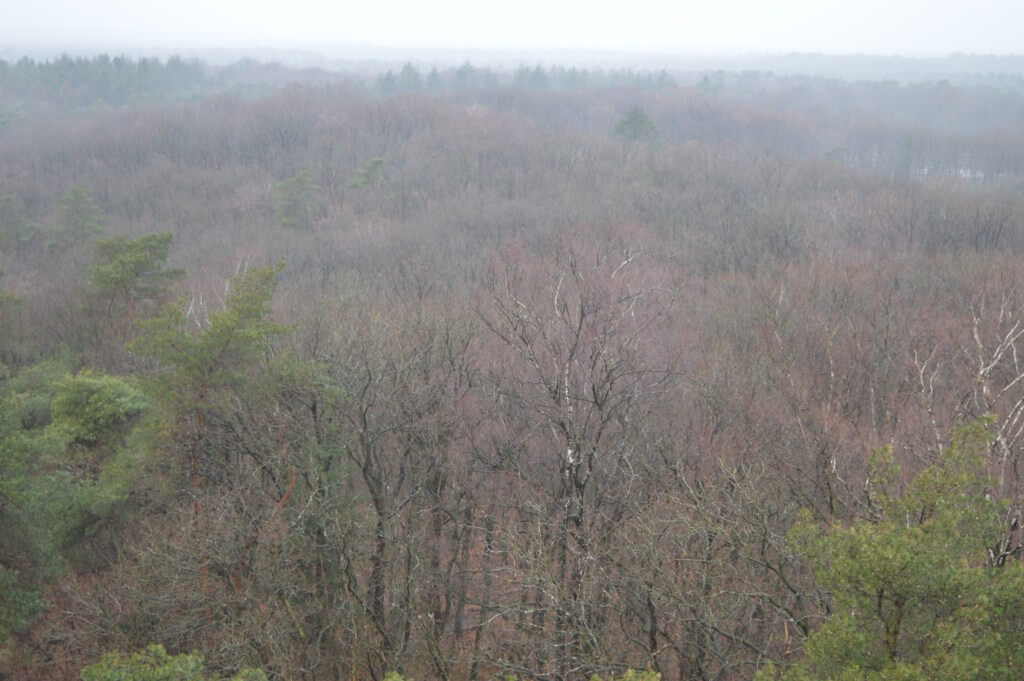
[[64, 469], [125, 270], [409, 78], [221, 353], [155, 664], [295, 200], [80, 220], [636, 126], [370, 175], [916, 593], [205, 368]]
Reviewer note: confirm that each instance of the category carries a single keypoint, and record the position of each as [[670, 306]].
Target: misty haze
[[543, 342]]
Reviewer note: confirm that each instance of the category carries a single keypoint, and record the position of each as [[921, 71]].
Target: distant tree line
[[411, 78], [80, 81]]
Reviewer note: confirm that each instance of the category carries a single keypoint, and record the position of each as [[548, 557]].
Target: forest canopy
[[543, 372]]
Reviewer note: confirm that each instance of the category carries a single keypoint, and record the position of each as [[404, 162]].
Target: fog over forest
[[593, 348]]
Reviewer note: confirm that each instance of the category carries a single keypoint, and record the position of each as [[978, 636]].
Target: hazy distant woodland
[[330, 366]]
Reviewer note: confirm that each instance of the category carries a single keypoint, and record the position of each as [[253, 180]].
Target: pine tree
[[916, 593]]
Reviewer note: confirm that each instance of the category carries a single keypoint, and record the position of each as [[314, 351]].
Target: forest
[[469, 373]]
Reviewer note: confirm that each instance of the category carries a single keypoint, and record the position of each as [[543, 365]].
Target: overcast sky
[[915, 27]]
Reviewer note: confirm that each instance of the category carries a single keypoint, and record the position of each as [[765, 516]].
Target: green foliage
[[223, 351], [915, 596], [531, 79], [636, 126], [90, 407], [155, 664], [34, 411], [628, 675], [467, 77], [633, 675], [409, 78], [10, 216], [30, 507], [49, 498], [132, 268], [387, 84], [18, 604], [370, 175], [295, 201], [79, 81], [16, 231], [10, 113], [80, 220], [37, 379], [8, 305]]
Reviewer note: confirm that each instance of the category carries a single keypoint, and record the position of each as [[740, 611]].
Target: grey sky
[[918, 27]]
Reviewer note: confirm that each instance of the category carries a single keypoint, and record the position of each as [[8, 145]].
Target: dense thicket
[[541, 384]]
